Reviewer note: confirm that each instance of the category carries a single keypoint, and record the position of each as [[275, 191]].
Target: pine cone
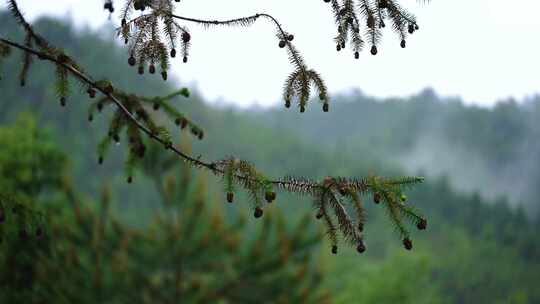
[[407, 243], [270, 196], [377, 197], [258, 212], [422, 224], [374, 50], [361, 247]]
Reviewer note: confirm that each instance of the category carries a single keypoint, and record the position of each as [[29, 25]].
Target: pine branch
[[131, 115], [140, 34], [374, 12]]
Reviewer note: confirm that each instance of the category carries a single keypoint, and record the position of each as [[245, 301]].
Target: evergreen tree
[[187, 252]]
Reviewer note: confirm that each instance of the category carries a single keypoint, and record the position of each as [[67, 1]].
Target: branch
[[243, 20], [88, 80], [231, 169], [140, 34]]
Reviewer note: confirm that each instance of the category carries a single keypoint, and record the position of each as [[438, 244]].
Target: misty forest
[[121, 184]]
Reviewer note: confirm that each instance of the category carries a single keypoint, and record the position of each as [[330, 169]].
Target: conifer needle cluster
[[155, 36], [362, 22]]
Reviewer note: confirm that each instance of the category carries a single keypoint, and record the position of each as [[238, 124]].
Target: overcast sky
[[481, 50]]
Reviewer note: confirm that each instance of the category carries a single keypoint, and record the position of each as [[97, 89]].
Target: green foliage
[[188, 252], [396, 279], [30, 166], [30, 162], [121, 123]]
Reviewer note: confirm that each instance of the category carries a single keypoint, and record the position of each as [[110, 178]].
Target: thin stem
[[252, 17]]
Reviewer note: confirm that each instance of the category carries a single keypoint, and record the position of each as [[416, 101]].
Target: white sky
[[482, 52]]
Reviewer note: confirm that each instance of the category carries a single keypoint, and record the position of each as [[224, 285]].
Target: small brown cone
[[230, 197]]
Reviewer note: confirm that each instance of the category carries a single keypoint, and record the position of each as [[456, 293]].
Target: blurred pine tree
[[188, 253]]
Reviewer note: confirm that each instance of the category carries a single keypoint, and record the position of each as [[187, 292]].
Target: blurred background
[[461, 111]]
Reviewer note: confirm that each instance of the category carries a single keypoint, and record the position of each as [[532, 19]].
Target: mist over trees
[[480, 149]]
